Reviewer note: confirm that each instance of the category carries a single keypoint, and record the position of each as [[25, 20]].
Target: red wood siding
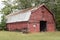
[[32, 28], [43, 14], [18, 25]]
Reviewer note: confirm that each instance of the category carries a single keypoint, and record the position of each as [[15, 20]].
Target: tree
[[3, 23], [57, 14]]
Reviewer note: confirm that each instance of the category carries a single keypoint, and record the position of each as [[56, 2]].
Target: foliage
[[57, 15], [3, 23]]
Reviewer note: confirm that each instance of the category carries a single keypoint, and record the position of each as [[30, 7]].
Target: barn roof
[[22, 15], [19, 17]]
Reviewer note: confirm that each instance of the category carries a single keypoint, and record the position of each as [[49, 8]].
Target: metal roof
[[19, 17]]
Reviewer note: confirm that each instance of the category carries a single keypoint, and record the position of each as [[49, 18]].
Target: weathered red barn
[[35, 19]]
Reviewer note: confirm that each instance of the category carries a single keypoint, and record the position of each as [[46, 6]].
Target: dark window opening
[[43, 25]]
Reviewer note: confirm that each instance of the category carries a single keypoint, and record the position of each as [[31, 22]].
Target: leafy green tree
[[57, 14], [3, 23]]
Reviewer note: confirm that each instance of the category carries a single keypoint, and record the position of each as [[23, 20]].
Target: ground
[[5, 35]]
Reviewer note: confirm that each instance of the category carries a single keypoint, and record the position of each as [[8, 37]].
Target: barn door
[[43, 25]]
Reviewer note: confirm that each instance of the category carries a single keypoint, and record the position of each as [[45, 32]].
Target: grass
[[5, 35]]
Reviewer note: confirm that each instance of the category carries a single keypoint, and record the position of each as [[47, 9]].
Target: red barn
[[35, 19]]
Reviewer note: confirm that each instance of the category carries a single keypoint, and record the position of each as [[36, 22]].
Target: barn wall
[[34, 27], [50, 20], [42, 14], [50, 27], [15, 26]]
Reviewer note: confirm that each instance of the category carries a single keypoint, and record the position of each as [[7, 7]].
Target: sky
[[1, 6]]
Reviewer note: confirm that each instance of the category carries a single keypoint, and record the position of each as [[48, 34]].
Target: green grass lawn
[[5, 35]]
